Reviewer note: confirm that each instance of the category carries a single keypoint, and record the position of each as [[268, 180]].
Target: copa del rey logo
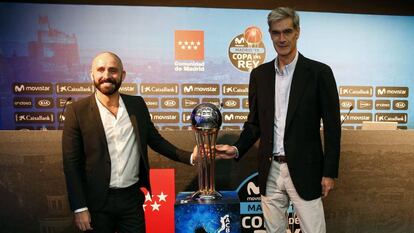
[[189, 45]]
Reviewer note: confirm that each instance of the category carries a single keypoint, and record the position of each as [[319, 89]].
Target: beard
[[114, 87]]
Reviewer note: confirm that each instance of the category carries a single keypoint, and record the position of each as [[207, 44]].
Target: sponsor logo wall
[[370, 103], [185, 60]]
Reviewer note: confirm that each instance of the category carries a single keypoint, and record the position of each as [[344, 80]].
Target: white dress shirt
[[283, 81], [122, 146]]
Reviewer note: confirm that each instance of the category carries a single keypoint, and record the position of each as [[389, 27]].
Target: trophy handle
[[206, 142]]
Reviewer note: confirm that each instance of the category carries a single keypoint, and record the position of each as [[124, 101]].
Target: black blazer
[[86, 159], [313, 96]]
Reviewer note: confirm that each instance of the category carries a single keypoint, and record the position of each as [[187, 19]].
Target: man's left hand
[[327, 185]]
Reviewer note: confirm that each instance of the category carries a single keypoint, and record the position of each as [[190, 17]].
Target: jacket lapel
[[298, 85], [97, 121], [131, 109], [270, 89]]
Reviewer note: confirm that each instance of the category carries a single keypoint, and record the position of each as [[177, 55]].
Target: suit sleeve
[[161, 145], [73, 160], [329, 99], [251, 130]]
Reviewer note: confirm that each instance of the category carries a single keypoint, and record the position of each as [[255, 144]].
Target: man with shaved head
[[105, 157]]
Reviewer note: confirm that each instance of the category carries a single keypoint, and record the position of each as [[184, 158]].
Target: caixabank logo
[[246, 50], [75, 88], [189, 51], [34, 117], [235, 89], [251, 214], [159, 89], [401, 118], [356, 91]]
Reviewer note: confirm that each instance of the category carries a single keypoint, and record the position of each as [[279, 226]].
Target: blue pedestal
[[212, 216]]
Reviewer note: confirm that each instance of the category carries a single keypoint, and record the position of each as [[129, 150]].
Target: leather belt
[[280, 158], [130, 188]]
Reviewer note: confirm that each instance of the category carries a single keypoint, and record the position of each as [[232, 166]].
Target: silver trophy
[[206, 121]]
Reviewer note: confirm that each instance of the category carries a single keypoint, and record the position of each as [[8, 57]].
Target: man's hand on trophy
[[194, 155], [203, 152], [226, 151]]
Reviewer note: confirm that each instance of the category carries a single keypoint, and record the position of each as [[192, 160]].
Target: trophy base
[[200, 195]]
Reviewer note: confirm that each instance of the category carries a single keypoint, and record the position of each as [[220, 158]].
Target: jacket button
[[270, 159]]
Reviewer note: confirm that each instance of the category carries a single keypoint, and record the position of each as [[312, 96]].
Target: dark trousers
[[122, 212]]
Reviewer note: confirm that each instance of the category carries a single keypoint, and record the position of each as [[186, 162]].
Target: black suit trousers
[[121, 213]]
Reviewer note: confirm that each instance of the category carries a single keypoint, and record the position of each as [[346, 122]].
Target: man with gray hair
[[288, 97]]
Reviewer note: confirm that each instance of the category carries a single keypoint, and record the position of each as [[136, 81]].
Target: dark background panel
[[374, 192], [394, 7]]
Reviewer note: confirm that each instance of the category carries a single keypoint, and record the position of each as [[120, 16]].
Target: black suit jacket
[[86, 160], [313, 96]]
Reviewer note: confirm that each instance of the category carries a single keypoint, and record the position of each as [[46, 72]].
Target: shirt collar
[[289, 67], [103, 108]]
